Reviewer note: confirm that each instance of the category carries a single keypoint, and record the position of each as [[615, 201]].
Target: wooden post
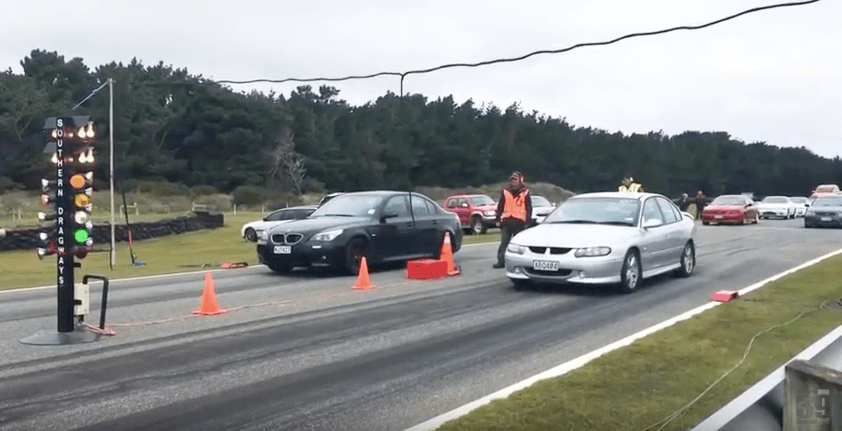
[[813, 397]]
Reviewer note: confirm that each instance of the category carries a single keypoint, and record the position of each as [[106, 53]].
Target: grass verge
[[164, 255], [642, 384]]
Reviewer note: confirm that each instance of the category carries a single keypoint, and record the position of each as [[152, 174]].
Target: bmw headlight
[[516, 248], [592, 251], [264, 235], [810, 213], [328, 235]]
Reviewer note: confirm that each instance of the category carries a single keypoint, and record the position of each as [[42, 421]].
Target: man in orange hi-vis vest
[[514, 212]]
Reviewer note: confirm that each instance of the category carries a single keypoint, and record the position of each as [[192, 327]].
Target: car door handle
[[409, 224]]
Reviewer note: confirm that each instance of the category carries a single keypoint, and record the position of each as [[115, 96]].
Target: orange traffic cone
[[209, 306], [362, 279], [447, 255]]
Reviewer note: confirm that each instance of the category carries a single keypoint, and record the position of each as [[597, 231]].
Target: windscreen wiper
[[573, 221]]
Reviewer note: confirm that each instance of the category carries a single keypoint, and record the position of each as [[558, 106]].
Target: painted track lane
[[324, 357]]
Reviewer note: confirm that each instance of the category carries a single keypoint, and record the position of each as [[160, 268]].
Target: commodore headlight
[[516, 248], [490, 213], [810, 213], [592, 251], [328, 235]]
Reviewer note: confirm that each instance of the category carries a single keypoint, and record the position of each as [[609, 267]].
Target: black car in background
[[825, 211], [383, 226]]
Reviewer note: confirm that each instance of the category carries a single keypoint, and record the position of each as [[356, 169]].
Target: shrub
[[249, 195]]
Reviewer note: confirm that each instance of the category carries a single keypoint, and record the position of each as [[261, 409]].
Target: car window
[[651, 211], [463, 202], [419, 206], [300, 214], [597, 210], [276, 216], [775, 200], [432, 207], [451, 203], [479, 201], [667, 211], [398, 205]]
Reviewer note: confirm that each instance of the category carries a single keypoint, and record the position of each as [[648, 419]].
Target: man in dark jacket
[[514, 213], [701, 200], [683, 202]]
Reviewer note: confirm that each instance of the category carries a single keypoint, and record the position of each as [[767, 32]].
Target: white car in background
[[541, 208], [251, 231], [776, 206], [801, 205]]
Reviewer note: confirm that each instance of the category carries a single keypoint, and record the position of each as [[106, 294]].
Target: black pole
[[128, 226], [104, 296], [64, 235]]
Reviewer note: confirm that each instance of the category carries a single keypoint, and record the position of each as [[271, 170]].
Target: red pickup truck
[[476, 213]]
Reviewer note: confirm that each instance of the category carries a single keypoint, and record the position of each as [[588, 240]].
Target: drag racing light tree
[[69, 142], [81, 188]]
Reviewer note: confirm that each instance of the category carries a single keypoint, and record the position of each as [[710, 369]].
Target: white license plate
[[825, 218], [543, 265], [283, 249], [719, 216]]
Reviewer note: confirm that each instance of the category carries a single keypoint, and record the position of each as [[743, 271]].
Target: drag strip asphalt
[[306, 352]]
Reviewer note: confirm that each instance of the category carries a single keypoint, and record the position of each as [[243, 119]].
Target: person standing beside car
[[700, 204], [683, 202], [514, 213]]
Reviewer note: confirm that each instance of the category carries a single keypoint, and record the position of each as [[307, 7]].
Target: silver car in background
[[605, 238]]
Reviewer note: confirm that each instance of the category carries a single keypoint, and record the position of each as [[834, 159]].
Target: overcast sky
[[773, 76]]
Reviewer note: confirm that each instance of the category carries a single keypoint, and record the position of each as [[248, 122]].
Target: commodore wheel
[[688, 260], [632, 272]]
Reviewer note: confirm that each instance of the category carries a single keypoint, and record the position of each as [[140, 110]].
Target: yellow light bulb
[[90, 130], [81, 132]]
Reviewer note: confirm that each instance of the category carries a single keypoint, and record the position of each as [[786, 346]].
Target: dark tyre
[[251, 235], [688, 261], [631, 275], [477, 226], [280, 268], [356, 249]]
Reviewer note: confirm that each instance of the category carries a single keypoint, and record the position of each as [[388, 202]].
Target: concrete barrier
[[761, 407], [813, 397]]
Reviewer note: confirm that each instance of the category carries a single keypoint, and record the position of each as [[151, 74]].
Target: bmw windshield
[[616, 211], [362, 205]]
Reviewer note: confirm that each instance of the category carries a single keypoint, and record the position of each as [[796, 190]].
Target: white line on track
[[573, 364]]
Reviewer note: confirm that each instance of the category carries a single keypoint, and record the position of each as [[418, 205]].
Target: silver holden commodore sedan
[[605, 238]]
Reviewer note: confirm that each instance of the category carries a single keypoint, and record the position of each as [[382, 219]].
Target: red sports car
[[730, 209]]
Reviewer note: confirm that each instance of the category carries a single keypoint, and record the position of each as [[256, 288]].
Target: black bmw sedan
[[383, 226]]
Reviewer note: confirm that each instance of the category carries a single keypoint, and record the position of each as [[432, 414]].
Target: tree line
[[183, 130]]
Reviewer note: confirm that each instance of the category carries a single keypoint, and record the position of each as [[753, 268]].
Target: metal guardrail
[[761, 407]]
